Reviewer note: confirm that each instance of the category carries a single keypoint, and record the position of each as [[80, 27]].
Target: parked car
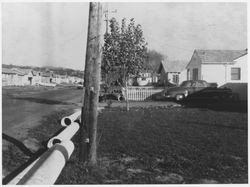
[[79, 85], [199, 89], [110, 93]]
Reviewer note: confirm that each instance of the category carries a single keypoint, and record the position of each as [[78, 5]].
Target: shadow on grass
[[225, 106], [19, 144], [42, 101], [213, 125]]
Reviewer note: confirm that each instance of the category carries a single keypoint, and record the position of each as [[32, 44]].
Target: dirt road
[[24, 108]]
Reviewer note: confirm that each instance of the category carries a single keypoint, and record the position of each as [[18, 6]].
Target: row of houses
[[22, 77], [227, 68]]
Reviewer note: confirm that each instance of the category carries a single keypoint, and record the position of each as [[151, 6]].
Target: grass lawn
[[166, 145], [161, 145]]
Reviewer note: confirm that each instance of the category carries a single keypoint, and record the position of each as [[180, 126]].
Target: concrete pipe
[[46, 169], [66, 134], [66, 121], [15, 180]]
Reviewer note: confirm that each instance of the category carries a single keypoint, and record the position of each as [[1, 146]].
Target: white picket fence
[[142, 93]]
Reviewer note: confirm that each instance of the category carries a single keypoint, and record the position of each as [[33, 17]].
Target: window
[[186, 84], [176, 79], [235, 73], [201, 84]]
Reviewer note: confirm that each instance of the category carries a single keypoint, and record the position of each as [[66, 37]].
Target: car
[[110, 93], [79, 85], [198, 89]]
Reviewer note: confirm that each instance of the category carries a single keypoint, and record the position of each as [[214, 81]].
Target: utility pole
[[106, 12], [88, 131]]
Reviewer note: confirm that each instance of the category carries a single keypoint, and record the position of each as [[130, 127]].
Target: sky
[[54, 34]]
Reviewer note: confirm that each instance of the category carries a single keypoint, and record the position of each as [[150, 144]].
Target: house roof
[[19, 71], [45, 74], [216, 56], [173, 65], [8, 71]]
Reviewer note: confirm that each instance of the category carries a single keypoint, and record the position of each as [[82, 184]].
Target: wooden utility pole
[[106, 12], [88, 131]]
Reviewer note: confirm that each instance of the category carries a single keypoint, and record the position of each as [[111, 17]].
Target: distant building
[[147, 77], [73, 79], [8, 77], [46, 77], [173, 72], [64, 79], [27, 76]]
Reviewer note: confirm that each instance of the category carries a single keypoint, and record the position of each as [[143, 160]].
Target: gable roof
[[18, 71], [173, 65], [8, 71], [218, 56], [45, 74]]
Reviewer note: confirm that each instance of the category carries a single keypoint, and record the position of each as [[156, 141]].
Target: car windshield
[[201, 84], [185, 84]]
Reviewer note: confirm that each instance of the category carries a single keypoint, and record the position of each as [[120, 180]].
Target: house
[[147, 77], [26, 76], [46, 77], [8, 77], [173, 72], [19, 77], [64, 79], [13, 77], [74, 79], [221, 67]]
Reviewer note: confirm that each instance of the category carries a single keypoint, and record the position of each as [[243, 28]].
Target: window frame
[[235, 76]]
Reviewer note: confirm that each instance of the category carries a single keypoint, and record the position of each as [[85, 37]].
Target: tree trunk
[[127, 102], [125, 83], [92, 85]]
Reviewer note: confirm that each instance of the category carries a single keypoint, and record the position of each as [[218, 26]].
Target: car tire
[[179, 97]]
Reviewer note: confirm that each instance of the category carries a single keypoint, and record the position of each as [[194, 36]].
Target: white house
[[64, 79], [8, 77], [26, 76], [147, 77], [173, 72], [224, 67]]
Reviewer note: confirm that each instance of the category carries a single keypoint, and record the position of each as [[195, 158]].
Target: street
[[24, 108]]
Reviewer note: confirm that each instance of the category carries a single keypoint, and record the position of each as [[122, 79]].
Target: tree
[[153, 61], [110, 52], [124, 51]]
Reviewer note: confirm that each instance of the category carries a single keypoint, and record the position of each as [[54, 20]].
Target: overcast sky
[[55, 34]]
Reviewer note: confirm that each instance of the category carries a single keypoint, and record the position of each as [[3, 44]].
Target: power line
[[106, 12]]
